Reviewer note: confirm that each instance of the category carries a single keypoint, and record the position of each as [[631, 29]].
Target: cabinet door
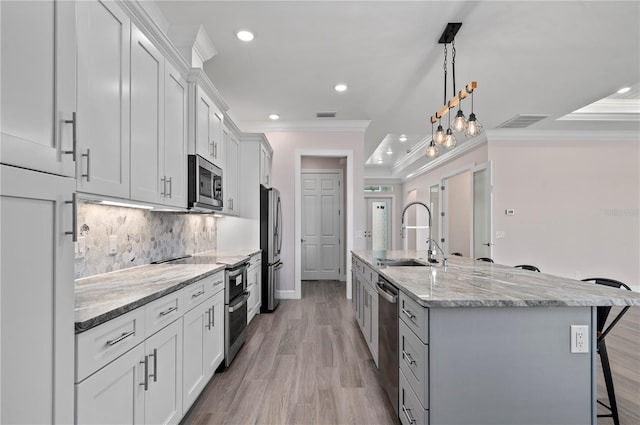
[[204, 126], [163, 399], [231, 174], [36, 311], [38, 85], [265, 166], [175, 138], [147, 115], [373, 335], [214, 338], [195, 323], [103, 98], [114, 394]]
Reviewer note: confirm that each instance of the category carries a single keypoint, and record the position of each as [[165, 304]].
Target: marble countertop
[[469, 283], [103, 297]]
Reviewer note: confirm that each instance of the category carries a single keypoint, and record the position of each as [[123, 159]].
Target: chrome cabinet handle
[[72, 121], [409, 314], [155, 365], [196, 295], [121, 338], [408, 358], [168, 311], [407, 414], [74, 218], [88, 175], [145, 384], [170, 186], [231, 202], [213, 317], [208, 325], [217, 283], [215, 150], [164, 186]]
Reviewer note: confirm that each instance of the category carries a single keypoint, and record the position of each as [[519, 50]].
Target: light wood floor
[[308, 364]]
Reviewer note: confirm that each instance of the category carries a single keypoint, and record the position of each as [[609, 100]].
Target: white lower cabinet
[[144, 385], [254, 286], [203, 346], [365, 304]]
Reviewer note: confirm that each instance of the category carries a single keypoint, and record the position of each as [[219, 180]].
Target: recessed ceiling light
[[389, 152], [244, 35], [340, 87], [624, 90], [379, 161], [403, 138], [274, 116]]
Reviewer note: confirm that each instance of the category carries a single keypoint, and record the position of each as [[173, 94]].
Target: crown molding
[[338, 125], [509, 135], [198, 76]]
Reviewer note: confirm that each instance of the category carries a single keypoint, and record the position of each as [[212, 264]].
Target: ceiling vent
[[326, 114], [522, 121]]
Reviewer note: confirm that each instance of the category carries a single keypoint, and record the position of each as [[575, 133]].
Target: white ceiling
[[541, 58]]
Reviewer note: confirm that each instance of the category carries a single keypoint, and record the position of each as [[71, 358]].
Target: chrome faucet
[[431, 252]]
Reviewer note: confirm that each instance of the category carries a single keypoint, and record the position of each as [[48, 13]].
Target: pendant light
[[473, 125], [432, 149], [450, 140]]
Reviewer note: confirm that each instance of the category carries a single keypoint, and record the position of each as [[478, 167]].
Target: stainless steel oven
[[236, 297]]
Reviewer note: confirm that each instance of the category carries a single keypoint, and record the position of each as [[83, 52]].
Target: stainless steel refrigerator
[[271, 245]]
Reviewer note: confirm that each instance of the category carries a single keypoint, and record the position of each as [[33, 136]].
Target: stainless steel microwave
[[205, 185]]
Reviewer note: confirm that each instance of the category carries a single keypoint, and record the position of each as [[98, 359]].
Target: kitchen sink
[[400, 262]]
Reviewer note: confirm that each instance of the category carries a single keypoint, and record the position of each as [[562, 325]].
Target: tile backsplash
[[141, 236]]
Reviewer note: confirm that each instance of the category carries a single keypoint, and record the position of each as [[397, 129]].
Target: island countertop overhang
[[468, 283]]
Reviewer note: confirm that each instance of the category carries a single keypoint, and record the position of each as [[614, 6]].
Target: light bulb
[[450, 140], [432, 150], [439, 136], [460, 122], [473, 126]]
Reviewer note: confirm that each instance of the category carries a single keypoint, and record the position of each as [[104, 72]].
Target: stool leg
[[606, 369]]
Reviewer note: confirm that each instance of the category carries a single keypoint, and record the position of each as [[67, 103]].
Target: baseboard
[[286, 295]]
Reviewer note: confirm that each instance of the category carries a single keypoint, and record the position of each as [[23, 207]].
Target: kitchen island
[[481, 343]]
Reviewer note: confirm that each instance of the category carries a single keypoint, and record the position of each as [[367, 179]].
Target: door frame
[[342, 274], [489, 167], [348, 231], [392, 218]]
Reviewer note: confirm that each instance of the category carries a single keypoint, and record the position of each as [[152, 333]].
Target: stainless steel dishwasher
[[388, 339]]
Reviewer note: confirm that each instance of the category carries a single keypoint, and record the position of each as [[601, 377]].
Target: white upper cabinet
[[265, 165], [205, 120], [175, 138], [38, 85], [147, 116], [103, 98], [231, 173]]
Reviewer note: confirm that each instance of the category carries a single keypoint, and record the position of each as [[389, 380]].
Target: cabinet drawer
[[415, 316], [214, 283], [410, 410], [163, 311], [106, 342], [414, 363], [255, 259], [196, 293]]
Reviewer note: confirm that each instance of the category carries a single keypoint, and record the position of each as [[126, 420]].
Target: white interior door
[[482, 244], [378, 233], [434, 205], [321, 205]]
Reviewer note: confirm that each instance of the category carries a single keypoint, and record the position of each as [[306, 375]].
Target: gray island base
[[482, 343]]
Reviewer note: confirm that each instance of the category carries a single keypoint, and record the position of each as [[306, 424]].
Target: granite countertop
[[103, 297], [469, 283]]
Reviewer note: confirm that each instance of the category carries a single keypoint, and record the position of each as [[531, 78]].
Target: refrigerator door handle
[[279, 225], [278, 266]]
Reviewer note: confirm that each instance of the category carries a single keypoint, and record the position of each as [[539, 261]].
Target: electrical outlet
[[113, 244], [80, 247], [579, 338]]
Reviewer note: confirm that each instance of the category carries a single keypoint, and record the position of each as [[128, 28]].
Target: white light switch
[[80, 247], [509, 211], [113, 244]]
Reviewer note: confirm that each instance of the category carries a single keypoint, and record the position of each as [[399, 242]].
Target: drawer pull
[[408, 415], [122, 337], [197, 294], [218, 282], [407, 358], [409, 314], [168, 311], [208, 325]]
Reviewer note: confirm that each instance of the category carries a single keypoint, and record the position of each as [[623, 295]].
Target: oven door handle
[[236, 272], [243, 301]]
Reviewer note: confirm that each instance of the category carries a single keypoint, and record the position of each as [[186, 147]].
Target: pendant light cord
[[453, 64], [445, 75]]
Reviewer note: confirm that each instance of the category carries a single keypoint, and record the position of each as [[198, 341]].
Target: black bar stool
[[527, 267], [485, 259], [603, 314]]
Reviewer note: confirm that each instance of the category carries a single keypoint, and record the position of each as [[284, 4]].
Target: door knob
[[487, 244], [303, 240]]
